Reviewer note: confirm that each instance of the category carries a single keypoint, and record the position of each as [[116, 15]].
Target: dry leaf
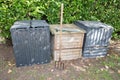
[[102, 69], [78, 68], [119, 71], [86, 66], [118, 63], [108, 54], [57, 75], [89, 64], [9, 71], [52, 70], [106, 67], [9, 63], [49, 79]]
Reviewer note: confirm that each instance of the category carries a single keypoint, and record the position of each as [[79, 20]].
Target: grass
[[103, 69], [97, 74]]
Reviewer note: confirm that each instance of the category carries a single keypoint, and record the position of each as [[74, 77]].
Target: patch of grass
[[42, 78], [103, 75], [3, 66], [36, 75], [98, 70], [83, 76], [94, 73], [111, 61], [109, 64]]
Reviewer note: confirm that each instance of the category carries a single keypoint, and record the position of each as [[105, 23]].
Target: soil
[[80, 69]]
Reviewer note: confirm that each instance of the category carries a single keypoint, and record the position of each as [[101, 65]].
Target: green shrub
[[107, 11]]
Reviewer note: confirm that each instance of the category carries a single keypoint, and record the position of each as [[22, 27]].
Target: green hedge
[[107, 11]]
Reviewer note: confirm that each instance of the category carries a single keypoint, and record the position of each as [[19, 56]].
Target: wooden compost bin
[[72, 41]]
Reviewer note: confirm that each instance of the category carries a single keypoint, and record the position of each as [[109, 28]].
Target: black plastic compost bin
[[97, 38], [31, 42]]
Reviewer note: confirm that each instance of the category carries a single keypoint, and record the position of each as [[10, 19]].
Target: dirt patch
[[115, 46], [6, 52]]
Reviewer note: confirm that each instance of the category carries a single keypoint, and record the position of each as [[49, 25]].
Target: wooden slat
[[69, 41], [68, 54]]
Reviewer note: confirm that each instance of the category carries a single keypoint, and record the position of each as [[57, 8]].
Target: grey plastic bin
[[31, 42], [97, 38]]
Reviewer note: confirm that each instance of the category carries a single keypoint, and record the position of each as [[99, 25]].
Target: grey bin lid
[[93, 24], [29, 24], [25, 22], [39, 23]]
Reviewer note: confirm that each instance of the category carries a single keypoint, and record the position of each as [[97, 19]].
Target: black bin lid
[[29, 24]]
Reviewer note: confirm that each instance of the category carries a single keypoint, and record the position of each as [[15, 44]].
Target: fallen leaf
[[52, 70], [118, 63], [106, 67], [9, 71], [78, 68], [102, 69], [119, 71], [9, 63], [86, 66], [108, 54], [89, 64], [49, 79], [57, 75]]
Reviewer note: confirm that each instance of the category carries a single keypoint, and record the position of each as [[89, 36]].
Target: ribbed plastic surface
[[96, 39], [31, 42]]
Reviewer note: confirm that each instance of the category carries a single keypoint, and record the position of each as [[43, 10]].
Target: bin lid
[[93, 24], [39, 23], [67, 29], [29, 24]]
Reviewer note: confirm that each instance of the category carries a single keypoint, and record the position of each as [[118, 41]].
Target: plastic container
[[97, 38], [31, 42]]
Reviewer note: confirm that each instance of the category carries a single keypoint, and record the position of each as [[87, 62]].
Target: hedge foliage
[[107, 11]]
